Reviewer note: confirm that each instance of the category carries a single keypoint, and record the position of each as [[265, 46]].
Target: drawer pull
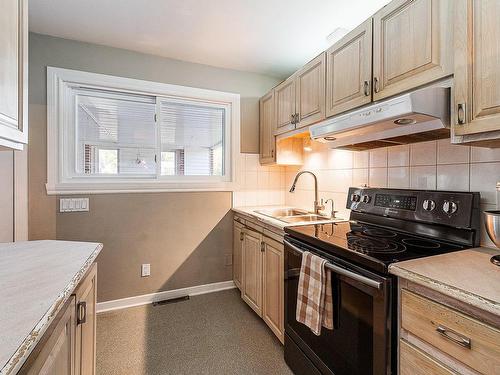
[[81, 313], [456, 337]]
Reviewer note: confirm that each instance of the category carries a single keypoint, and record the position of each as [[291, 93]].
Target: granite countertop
[[250, 211], [466, 275], [36, 278]]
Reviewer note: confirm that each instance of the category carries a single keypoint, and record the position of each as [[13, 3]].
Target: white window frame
[[61, 178]]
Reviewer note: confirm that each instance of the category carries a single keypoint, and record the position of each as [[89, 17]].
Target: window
[[117, 134]]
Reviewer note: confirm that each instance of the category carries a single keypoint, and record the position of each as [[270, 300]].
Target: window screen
[[192, 138], [115, 133]]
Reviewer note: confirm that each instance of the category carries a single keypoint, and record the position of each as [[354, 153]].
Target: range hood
[[413, 117]]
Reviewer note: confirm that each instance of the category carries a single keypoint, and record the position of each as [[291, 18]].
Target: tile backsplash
[[426, 165]]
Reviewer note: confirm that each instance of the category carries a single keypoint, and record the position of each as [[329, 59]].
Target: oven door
[[360, 343]]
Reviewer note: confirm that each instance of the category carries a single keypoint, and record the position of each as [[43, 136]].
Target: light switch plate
[[145, 270], [73, 205]]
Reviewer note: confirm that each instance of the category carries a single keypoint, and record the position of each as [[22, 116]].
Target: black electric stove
[[388, 226], [385, 226]]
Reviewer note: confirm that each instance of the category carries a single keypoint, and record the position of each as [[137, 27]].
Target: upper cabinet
[[477, 71], [412, 45], [13, 73], [349, 71], [284, 95], [310, 92], [267, 126]]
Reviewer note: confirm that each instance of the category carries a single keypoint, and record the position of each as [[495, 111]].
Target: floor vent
[[172, 300]]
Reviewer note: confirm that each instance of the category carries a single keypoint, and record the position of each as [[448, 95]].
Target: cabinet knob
[[375, 84], [366, 88], [81, 312], [262, 246], [461, 118]]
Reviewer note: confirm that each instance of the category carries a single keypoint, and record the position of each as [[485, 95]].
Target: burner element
[[377, 232], [369, 245], [420, 242]]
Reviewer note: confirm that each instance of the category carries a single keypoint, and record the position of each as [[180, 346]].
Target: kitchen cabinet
[[412, 45], [237, 253], [349, 71], [477, 72], [85, 343], [55, 355], [310, 92], [273, 295], [252, 270], [284, 95], [438, 334], [68, 347], [262, 264], [14, 73], [267, 126]]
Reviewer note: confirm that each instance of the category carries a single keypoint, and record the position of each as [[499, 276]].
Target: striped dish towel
[[314, 296]]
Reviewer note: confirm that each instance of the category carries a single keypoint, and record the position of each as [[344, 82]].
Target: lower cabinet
[[68, 346], [262, 274]]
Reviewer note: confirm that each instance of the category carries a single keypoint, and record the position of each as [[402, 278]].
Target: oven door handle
[[342, 271]]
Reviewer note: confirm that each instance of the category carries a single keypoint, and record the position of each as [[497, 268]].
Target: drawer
[[468, 340], [413, 361]]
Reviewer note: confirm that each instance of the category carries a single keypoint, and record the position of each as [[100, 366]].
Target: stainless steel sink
[[280, 212], [291, 215]]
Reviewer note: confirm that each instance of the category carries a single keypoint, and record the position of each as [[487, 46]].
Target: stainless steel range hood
[[413, 117]]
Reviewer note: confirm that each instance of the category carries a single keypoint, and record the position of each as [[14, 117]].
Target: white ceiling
[[272, 37]]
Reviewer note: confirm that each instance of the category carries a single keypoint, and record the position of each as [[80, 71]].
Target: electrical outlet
[[73, 204], [145, 270]]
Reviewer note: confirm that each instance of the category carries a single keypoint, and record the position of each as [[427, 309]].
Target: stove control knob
[[429, 205], [355, 197], [450, 207], [365, 199]]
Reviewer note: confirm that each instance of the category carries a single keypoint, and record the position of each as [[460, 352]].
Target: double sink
[[292, 215]]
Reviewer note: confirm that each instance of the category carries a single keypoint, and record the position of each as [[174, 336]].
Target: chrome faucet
[[317, 206]]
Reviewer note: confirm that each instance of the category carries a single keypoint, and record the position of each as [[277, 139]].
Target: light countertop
[[466, 275], [250, 211], [36, 278]]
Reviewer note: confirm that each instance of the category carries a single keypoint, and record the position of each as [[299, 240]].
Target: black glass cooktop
[[369, 245]]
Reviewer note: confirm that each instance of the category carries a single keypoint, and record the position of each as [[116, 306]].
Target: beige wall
[[6, 196], [185, 236]]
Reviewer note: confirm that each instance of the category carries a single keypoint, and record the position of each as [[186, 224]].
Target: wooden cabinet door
[[477, 67], [284, 98], [412, 45], [349, 71], [413, 361], [273, 286], [237, 253], [85, 347], [252, 270], [13, 72], [267, 127], [56, 356], [310, 92]]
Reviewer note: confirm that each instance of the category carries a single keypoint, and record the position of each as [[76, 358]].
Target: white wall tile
[[361, 159], [251, 180], [423, 153], [448, 153], [251, 162], [483, 154], [378, 158], [398, 177], [483, 178], [378, 177], [360, 177], [340, 159], [453, 177], [423, 177], [263, 180], [338, 181], [398, 156]]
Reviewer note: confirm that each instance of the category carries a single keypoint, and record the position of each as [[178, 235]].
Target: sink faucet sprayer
[[317, 205]]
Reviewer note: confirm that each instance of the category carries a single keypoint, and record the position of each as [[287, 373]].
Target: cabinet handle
[[262, 246], [272, 153], [453, 336], [242, 236], [292, 121], [81, 312], [461, 113], [375, 84], [366, 88]]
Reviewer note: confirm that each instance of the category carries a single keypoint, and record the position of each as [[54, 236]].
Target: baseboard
[[145, 299]]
